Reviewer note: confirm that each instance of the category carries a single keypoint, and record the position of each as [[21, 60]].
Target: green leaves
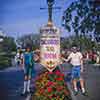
[[6, 48], [82, 16], [51, 86], [68, 27], [31, 39]]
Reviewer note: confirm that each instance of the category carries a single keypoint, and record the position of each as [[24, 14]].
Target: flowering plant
[[51, 86]]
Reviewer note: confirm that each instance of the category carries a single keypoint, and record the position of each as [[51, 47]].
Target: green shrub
[[7, 48], [5, 62]]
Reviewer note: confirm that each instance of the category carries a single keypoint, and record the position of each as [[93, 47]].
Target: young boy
[[28, 64], [76, 60]]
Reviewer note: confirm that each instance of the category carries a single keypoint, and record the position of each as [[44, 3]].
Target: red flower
[[57, 72], [59, 79], [50, 73], [62, 75], [60, 88], [49, 89], [50, 83]]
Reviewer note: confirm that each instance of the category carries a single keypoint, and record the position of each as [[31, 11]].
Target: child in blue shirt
[[28, 63]]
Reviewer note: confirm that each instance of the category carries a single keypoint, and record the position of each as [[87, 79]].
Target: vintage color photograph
[[49, 49]]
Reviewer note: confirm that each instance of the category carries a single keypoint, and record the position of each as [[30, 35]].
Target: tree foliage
[[83, 17], [8, 44], [85, 43], [7, 47], [32, 39]]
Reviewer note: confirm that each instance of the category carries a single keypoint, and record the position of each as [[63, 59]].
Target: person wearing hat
[[76, 59]]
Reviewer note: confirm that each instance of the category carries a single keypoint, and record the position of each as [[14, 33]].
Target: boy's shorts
[[76, 72], [28, 70]]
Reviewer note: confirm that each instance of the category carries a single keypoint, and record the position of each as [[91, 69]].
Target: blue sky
[[19, 17]]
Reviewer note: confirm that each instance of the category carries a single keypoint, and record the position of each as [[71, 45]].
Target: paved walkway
[[92, 80], [11, 82]]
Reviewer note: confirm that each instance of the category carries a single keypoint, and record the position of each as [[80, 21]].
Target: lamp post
[[50, 41], [50, 5]]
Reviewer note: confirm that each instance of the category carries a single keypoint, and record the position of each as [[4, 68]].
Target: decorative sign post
[[50, 47], [50, 42]]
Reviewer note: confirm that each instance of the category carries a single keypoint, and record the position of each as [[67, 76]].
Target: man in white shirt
[[76, 59]]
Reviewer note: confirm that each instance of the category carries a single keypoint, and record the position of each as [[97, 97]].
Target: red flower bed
[[51, 86]]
